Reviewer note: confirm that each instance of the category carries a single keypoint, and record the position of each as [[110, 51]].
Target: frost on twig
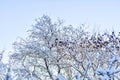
[[111, 71]]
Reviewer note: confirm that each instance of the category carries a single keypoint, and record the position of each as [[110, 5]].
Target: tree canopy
[[53, 51]]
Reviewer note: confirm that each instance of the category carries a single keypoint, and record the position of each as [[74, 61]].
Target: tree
[[53, 51]]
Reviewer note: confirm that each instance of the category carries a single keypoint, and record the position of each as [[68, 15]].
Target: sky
[[17, 16]]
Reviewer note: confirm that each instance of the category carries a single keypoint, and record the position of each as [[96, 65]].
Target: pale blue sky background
[[17, 16]]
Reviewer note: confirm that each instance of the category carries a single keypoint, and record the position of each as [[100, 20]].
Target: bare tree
[[53, 51]]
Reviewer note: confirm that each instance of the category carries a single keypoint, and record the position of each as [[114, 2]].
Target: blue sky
[[17, 16]]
